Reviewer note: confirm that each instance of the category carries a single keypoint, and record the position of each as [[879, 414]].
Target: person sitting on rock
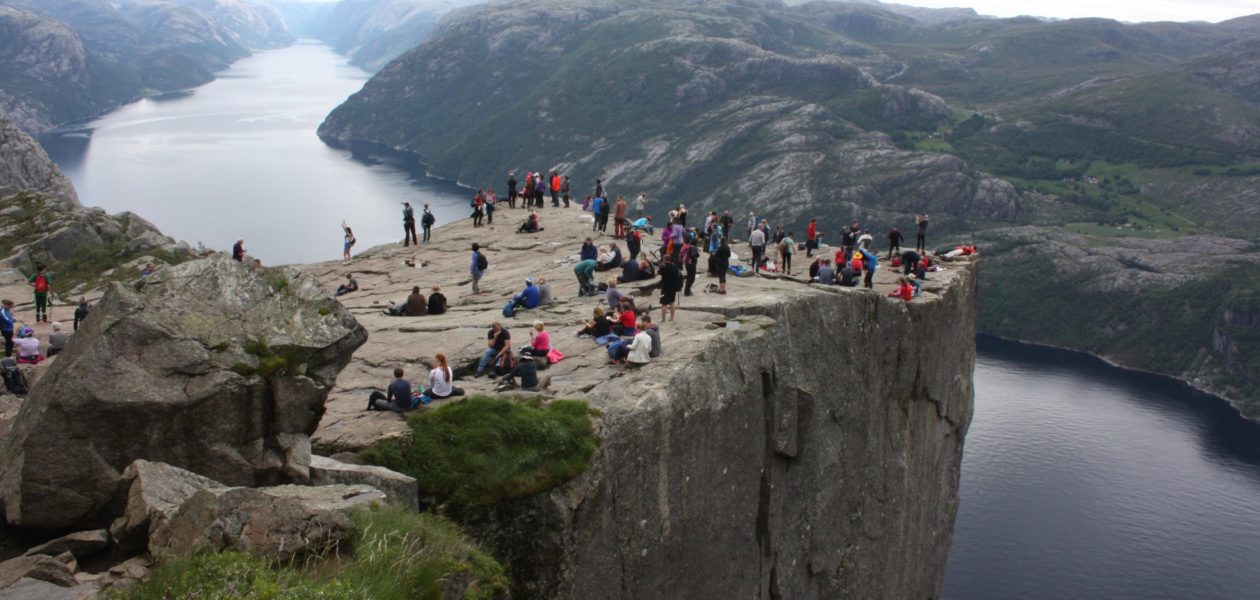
[[544, 292], [28, 347], [629, 272], [539, 342], [442, 380], [498, 340], [625, 319], [600, 328], [826, 275], [613, 295], [397, 396], [531, 224], [849, 277], [57, 340], [529, 297], [653, 332], [904, 290], [527, 371], [646, 270], [589, 251], [611, 259], [417, 304], [916, 284], [351, 285], [437, 301], [639, 351]]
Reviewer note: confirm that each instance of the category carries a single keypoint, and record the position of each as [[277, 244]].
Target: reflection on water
[[239, 158], [1081, 480]]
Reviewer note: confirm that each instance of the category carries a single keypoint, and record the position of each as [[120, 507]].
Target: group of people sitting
[[417, 305], [400, 396], [27, 345]]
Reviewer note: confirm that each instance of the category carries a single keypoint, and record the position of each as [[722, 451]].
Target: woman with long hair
[[441, 379]]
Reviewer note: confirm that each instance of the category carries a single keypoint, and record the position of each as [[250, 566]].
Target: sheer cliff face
[[813, 453], [24, 166]]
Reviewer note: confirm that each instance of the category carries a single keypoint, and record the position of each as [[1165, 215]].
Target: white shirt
[[27, 346], [757, 238], [439, 385], [640, 348], [641, 202]]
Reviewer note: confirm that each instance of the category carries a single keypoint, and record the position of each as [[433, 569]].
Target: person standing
[[564, 191], [599, 188], [41, 280], [787, 246], [347, 244], [640, 205], [426, 222], [728, 223], [477, 267], [752, 222], [511, 183], [238, 251], [811, 237], [6, 325], [478, 206], [597, 206], [81, 312], [555, 189], [491, 200], [757, 242], [870, 262], [620, 224], [604, 212], [690, 258], [671, 282], [722, 263], [920, 241], [894, 241], [409, 225]]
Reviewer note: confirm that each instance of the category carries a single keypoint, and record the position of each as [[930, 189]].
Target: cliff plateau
[[793, 441]]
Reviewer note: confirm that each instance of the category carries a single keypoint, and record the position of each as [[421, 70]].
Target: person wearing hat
[[529, 297], [28, 347]]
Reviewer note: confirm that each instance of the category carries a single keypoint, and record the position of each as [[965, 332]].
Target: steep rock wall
[[813, 453]]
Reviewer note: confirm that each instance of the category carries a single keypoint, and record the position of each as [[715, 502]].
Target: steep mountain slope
[[374, 32], [70, 59], [698, 102]]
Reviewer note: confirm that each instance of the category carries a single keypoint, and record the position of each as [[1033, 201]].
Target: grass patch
[[484, 450], [397, 556]]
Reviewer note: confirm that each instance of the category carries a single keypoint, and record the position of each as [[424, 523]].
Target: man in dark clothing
[[238, 251], [526, 370], [920, 242], [409, 225], [894, 242], [690, 258], [634, 243], [722, 263], [426, 222], [397, 397], [727, 221], [437, 301], [564, 191], [629, 272], [589, 251], [909, 260], [671, 282], [511, 190], [417, 304], [497, 341], [81, 312]]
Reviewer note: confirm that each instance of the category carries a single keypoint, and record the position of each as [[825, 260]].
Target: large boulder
[[211, 366], [279, 523], [152, 492], [398, 488]]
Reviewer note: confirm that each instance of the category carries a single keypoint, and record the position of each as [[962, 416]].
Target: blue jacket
[[399, 394], [872, 261], [6, 320], [629, 272], [597, 205], [529, 296], [473, 267], [589, 252]]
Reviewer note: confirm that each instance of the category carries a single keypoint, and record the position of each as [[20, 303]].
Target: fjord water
[[238, 158], [1081, 480]]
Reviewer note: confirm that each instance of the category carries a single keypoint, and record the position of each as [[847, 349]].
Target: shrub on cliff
[[398, 555], [483, 450]]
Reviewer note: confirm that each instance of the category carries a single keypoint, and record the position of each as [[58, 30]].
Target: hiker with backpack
[[426, 222], [690, 256], [498, 341], [477, 267], [787, 246], [398, 396], [41, 280], [409, 225]]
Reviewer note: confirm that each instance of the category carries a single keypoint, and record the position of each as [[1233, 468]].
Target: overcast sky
[[1123, 10]]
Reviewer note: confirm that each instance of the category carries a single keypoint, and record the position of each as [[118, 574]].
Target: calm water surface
[[1081, 480], [238, 158]]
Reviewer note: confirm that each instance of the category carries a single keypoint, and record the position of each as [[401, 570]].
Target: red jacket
[[812, 232], [904, 291], [555, 183]]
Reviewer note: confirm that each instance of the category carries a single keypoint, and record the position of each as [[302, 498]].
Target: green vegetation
[[397, 555], [483, 450]]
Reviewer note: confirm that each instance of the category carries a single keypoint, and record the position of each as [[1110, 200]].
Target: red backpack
[[41, 283]]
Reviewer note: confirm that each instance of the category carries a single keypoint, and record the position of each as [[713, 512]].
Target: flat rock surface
[[411, 342]]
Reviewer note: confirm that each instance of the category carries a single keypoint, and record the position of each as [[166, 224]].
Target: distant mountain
[[374, 32], [738, 104], [64, 60]]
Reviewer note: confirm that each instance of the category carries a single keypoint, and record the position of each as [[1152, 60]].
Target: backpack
[[428, 219], [509, 309], [41, 283], [482, 263], [14, 381], [504, 363]]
